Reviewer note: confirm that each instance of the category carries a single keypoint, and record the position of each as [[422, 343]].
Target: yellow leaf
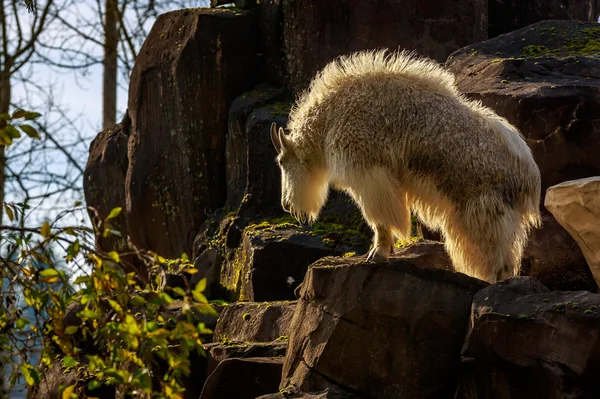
[[114, 213], [114, 256], [45, 230], [68, 393], [9, 213], [190, 270]]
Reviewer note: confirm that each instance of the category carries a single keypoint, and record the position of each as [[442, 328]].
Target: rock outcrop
[[525, 341], [381, 330], [271, 262], [255, 322], [576, 206], [508, 15], [553, 257], [196, 161], [104, 183], [245, 378], [317, 31], [545, 80], [253, 180], [188, 72]]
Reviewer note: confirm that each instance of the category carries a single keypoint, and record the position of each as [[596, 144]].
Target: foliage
[[17, 124], [102, 324]]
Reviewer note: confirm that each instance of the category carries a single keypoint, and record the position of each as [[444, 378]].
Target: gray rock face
[[254, 322], [243, 378], [527, 341], [385, 330], [188, 72], [317, 31]]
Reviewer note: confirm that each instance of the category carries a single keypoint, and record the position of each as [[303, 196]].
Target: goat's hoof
[[378, 254]]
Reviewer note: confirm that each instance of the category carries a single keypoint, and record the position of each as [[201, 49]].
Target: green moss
[[539, 51], [339, 234], [588, 44], [280, 108], [404, 243]]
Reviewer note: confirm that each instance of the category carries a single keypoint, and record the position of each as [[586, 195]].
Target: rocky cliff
[[193, 167]]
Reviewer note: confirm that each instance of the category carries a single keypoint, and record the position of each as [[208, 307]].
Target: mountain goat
[[392, 131]]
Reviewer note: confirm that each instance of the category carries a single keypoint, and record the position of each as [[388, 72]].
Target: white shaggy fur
[[393, 131]]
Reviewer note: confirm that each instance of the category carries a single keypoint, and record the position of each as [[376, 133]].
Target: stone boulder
[[217, 352], [254, 322], [188, 72], [545, 79], [384, 330], [576, 206], [328, 393], [507, 16], [271, 262], [104, 183], [526, 341], [253, 178], [553, 257], [317, 31], [426, 253], [243, 378]]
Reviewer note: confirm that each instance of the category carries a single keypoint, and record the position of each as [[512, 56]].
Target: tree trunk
[[111, 41], [4, 105]]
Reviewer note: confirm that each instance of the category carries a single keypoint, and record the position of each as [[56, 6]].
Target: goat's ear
[[275, 138], [285, 143]]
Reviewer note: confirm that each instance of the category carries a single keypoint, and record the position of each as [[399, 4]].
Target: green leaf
[[178, 290], [118, 375], [142, 379], [45, 230], [93, 384], [12, 131], [77, 203], [5, 116], [152, 326], [199, 297], [71, 330], [9, 213], [115, 305], [21, 323], [82, 279], [30, 373], [138, 301], [19, 114], [114, 213], [69, 361], [201, 286], [50, 273], [88, 314], [5, 138], [32, 115], [30, 131]]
